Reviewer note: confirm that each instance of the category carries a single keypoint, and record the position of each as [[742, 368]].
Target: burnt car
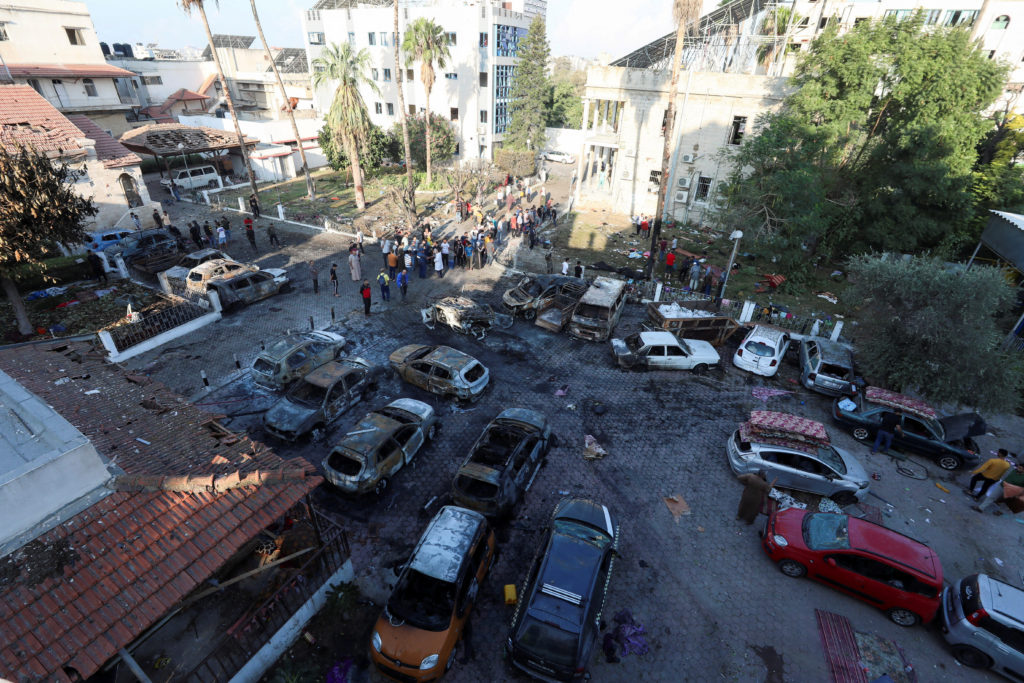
[[463, 315], [199, 277], [293, 355], [150, 250], [245, 289], [320, 397], [441, 370], [503, 462], [179, 273], [532, 291], [557, 621], [379, 445], [827, 367]]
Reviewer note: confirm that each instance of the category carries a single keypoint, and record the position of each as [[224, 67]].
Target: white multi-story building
[[472, 91]]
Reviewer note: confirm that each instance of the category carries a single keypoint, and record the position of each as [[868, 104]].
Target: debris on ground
[[677, 506], [829, 505], [828, 296], [562, 391], [629, 634], [786, 501], [765, 393], [674, 310], [591, 449]]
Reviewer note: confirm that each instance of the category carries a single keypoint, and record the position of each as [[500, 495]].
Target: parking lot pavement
[[711, 603]]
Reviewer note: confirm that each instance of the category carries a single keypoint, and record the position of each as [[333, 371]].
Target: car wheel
[[844, 498], [529, 314], [903, 617], [700, 369], [792, 569], [431, 432], [861, 433], [381, 486], [949, 462], [972, 657]]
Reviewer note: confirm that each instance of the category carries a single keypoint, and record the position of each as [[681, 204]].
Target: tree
[[777, 23], [874, 149], [442, 136], [997, 181], [188, 6], [401, 196], [564, 106], [287, 103], [410, 180], [469, 181], [379, 147], [530, 88], [515, 162], [38, 209], [686, 14], [926, 328], [427, 43], [347, 117]]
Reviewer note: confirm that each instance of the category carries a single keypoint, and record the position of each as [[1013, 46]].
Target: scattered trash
[[510, 594], [629, 634], [765, 393], [847, 404], [701, 529], [876, 476], [940, 486], [829, 505], [92, 391], [62, 380], [592, 450], [674, 310], [677, 506], [571, 406], [828, 296], [998, 561], [786, 501], [563, 391], [563, 492]]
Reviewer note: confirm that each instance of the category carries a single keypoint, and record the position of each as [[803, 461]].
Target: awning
[[162, 139]]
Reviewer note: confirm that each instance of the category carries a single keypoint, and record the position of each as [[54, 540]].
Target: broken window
[[483, 39], [374, 74], [703, 189], [316, 38], [3, 32], [739, 128], [409, 75], [455, 113], [450, 35], [451, 76], [483, 116], [387, 75]]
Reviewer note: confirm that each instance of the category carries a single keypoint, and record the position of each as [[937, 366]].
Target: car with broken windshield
[[416, 637], [294, 355], [199, 277], [658, 350], [441, 370], [556, 623], [179, 273], [319, 398], [532, 291], [827, 367], [502, 463], [379, 445]]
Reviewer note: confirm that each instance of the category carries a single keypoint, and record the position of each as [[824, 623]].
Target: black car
[[556, 623]]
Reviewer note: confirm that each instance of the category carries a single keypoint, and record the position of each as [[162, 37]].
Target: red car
[[877, 565]]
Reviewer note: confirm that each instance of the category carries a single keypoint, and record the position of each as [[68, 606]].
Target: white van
[[598, 311], [193, 178]]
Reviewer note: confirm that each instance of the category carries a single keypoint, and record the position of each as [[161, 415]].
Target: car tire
[[861, 433], [382, 486], [949, 462], [972, 657], [903, 617], [843, 498], [529, 314], [700, 369], [792, 569]]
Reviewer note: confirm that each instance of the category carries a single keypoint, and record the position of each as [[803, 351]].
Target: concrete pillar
[[747, 314], [280, 211], [579, 167], [657, 292], [586, 116], [164, 284], [241, 205], [108, 342], [836, 330], [122, 267], [214, 300], [597, 114]]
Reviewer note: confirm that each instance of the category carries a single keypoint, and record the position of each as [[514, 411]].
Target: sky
[[575, 27]]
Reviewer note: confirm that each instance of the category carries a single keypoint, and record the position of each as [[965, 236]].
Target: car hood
[[411, 405], [961, 426], [399, 355], [409, 643], [516, 297], [854, 470], [289, 416], [619, 347], [276, 272], [475, 470], [703, 351]]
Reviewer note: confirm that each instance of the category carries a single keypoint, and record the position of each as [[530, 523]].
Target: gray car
[[319, 398], [824, 470], [983, 621], [827, 367]]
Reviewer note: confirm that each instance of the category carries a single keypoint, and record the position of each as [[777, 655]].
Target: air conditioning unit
[[687, 158], [682, 197], [684, 183]]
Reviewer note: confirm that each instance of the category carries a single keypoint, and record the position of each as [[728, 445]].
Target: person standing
[[385, 285], [157, 219], [222, 236], [385, 248], [250, 233], [196, 234], [175, 192], [694, 275], [445, 250], [334, 277], [136, 221], [892, 424], [549, 261], [644, 225], [365, 292], [421, 260], [636, 223], [254, 205], [96, 264], [989, 473], [165, 219], [578, 270], [392, 264], [272, 235], [354, 267], [359, 241], [565, 266], [439, 263], [670, 264], [208, 231], [407, 257], [469, 254], [314, 275], [755, 490], [403, 283]]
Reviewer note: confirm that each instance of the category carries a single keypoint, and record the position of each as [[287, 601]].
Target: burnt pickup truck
[[532, 292]]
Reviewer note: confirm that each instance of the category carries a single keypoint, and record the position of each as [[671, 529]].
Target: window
[[374, 74], [739, 127], [451, 76], [319, 68], [372, 38], [483, 39], [387, 75], [316, 38], [483, 79], [803, 22], [152, 80], [506, 40], [35, 85], [483, 116], [383, 39], [931, 16], [456, 149], [412, 110], [75, 36], [352, 38], [1000, 23], [991, 54], [391, 109], [90, 87], [823, 22], [409, 75], [960, 17], [450, 35], [455, 113], [377, 108], [3, 32], [703, 189]]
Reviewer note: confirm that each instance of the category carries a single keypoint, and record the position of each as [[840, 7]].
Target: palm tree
[[284, 96], [347, 117], [686, 14], [411, 189], [776, 24], [426, 42], [188, 6]]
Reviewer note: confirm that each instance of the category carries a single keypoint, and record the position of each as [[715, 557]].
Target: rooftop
[[108, 150], [162, 139], [445, 543], [68, 71], [27, 119]]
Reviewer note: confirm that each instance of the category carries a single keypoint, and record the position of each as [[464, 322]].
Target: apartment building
[[472, 91], [51, 45]]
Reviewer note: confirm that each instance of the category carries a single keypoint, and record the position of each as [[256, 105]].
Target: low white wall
[[115, 356], [564, 140]]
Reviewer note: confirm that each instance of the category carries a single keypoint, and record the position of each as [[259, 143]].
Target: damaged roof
[[192, 495], [446, 542], [162, 139], [28, 120], [108, 150]]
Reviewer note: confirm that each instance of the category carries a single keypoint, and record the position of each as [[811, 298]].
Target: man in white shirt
[[565, 266]]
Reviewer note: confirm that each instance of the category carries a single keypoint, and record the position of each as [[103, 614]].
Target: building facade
[[472, 91]]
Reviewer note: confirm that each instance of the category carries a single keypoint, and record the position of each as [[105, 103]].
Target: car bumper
[[762, 369], [547, 678], [589, 333], [284, 435], [405, 674]]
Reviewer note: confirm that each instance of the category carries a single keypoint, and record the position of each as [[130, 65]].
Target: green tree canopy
[[530, 88], [928, 328], [873, 150], [380, 146], [442, 139], [426, 42]]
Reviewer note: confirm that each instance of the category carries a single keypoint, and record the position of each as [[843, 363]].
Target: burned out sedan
[[379, 445], [441, 370], [320, 397], [294, 355], [503, 462]]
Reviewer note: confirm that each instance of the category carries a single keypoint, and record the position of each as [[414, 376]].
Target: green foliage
[[425, 41], [380, 146], [295, 671], [515, 162], [874, 149], [530, 87], [996, 183], [927, 328], [564, 106], [442, 139], [776, 24]]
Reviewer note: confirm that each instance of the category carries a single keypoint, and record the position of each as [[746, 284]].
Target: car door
[[409, 439], [656, 357], [297, 364], [812, 475], [336, 401], [917, 435], [320, 351], [390, 457], [783, 347], [440, 381], [354, 382], [845, 571], [418, 373], [524, 461], [778, 467], [676, 358], [262, 285]]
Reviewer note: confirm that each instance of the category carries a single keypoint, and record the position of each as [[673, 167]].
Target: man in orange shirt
[[989, 473]]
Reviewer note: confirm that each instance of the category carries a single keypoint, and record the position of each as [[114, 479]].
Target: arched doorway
[[130, 189]]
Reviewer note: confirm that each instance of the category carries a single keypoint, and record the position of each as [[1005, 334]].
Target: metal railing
[[128, 334]]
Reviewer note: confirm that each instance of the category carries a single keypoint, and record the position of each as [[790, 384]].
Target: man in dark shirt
[[890, 426]]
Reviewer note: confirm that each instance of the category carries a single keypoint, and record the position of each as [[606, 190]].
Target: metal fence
[[151, 324]]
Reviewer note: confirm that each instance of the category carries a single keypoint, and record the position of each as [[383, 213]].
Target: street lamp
[[735, 237], [184, 157]]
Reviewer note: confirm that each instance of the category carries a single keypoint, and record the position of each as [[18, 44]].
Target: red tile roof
[[159, 111], [185, 95], [27, 119], [78, 593], [68, 71], [108, 150], [207, 82]]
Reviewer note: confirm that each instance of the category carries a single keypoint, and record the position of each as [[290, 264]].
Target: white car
[[663, 351], [199, 276], [560, 157], [762, 350], [180, 272]]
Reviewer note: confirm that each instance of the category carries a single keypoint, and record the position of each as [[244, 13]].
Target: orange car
[[415, 638]]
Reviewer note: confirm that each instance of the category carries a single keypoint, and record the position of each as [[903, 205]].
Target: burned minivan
[[532, 291], [599, 310]]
